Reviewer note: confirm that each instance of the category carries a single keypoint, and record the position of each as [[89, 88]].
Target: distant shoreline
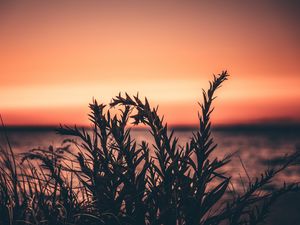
[[259, 127]]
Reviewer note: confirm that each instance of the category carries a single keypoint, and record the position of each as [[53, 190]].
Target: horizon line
[[258, 125]]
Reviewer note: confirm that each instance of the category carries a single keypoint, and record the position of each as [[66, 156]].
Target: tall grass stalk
[[104, 176]]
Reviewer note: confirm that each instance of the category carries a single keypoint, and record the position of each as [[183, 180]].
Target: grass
[[103, 176]]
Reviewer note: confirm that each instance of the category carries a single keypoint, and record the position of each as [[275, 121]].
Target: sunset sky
[[56, 56]]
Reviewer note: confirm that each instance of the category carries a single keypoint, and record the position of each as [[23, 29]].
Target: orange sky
[[55, 57]]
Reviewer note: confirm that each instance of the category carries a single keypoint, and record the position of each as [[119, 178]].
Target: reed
[[104, 176]]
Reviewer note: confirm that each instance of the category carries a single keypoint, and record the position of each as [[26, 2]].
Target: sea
[[254, 148]]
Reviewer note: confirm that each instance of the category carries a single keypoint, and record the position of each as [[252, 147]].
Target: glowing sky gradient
[[55, 57]]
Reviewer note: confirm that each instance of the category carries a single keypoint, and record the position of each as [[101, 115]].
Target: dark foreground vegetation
[[103, 176]]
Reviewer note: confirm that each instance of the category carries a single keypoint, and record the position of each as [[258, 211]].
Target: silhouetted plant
[[103, 176]]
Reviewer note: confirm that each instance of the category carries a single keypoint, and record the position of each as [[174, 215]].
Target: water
[[258, 149]]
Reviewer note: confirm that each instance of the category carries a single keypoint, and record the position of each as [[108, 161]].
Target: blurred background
[[56, 56]]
